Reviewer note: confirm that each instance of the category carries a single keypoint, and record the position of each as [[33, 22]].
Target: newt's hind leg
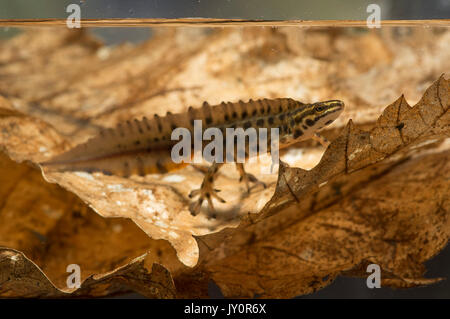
[[206, 190], [247, 177]]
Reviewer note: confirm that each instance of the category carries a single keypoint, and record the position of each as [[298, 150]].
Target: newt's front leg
[[322, 140], [206, 191]]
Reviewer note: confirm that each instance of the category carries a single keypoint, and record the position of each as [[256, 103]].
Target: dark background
[[252, 9], [246, 9]]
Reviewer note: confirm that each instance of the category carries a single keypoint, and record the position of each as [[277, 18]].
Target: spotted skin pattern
[[141, 147]]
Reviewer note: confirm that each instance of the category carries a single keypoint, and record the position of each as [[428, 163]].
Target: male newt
[[144, 146]]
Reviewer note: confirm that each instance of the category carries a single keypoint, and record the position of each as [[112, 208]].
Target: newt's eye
[[319, 108]]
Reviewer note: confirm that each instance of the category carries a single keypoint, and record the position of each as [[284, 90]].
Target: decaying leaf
[[44, 229], [379, 193], [20, 277], [379, 199]]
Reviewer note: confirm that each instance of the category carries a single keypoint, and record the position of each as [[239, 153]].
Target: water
[[69, 79]]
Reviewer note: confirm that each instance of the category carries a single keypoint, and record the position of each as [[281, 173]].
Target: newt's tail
[[120, 152]]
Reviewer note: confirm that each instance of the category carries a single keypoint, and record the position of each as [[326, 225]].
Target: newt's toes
[[195, 207], [194, 193], [250, 178]]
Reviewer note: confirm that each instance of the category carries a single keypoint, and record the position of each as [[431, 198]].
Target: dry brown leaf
[[316, 226], [398, 221], [372, 192], [20, 277], [44, 228]]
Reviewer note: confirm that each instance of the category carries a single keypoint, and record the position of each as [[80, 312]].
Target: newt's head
[[310, 118]]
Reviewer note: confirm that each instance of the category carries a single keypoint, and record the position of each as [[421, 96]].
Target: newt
[[144, 146]]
